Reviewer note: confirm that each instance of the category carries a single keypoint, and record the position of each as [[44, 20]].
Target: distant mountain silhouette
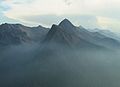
[[65, 33], [17, 34], [12, 34], [68, 26], [99, 38], [63, 37], [61, 56]]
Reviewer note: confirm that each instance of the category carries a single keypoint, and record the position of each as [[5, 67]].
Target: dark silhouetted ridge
[[12, 34]]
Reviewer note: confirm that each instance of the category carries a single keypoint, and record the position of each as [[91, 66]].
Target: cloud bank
[[106, 13]]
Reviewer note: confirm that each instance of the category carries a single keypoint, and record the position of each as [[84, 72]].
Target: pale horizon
[[89, 14]]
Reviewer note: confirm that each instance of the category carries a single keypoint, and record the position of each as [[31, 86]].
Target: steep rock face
[[96, 38], [12, 34], [16, 34], [68, 27], [58, 35]]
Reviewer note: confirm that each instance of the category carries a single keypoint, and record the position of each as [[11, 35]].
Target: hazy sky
[[89, 13]]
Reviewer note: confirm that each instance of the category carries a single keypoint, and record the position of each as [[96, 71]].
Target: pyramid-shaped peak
[[65, 22]]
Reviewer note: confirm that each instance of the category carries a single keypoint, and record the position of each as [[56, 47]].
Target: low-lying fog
[[33, 66]]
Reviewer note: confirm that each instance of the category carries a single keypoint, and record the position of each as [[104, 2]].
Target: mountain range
[[65, 33], [64, 55]]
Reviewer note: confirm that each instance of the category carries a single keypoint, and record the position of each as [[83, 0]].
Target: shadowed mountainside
[[61, 56]]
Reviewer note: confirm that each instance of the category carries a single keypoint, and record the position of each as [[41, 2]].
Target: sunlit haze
[[103, 14]]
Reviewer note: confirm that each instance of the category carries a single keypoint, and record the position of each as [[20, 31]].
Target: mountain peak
[[65, 22], [68, 26], [54, 26]]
